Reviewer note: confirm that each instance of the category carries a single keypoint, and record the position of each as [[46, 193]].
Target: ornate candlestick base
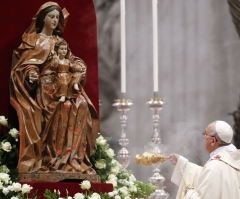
[[123, 105], [159, 194], [157, 179]]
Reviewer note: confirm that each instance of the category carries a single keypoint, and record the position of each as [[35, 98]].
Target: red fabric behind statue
[[80, 33]]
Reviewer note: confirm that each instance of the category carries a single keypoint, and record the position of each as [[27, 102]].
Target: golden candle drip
[[150, 158]]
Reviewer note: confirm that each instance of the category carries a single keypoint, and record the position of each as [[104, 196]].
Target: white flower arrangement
[[12, 190], [110, 171], [9, 187]]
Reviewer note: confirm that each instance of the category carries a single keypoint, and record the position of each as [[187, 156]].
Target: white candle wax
[[155, 46], [123, 48]]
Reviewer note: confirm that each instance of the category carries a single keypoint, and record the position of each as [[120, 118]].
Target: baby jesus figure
[[68, 76]]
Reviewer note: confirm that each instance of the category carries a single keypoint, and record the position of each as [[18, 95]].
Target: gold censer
[[148, 158]]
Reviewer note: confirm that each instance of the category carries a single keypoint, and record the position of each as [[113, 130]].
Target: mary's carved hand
[[33, 76], [83, 70], [55, 60], [79, 68]]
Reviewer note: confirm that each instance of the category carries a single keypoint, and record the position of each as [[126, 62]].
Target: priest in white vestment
[[220, 177]]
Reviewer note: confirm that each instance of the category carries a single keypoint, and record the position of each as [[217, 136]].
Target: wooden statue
[[57, 135]]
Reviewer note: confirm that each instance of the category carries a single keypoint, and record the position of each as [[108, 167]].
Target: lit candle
[[123, 48], [155, 46]]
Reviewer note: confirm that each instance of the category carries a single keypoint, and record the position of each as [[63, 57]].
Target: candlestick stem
[[123, 105], [155, 147]]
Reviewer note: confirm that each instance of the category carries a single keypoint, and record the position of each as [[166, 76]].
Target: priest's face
[[209, 140]]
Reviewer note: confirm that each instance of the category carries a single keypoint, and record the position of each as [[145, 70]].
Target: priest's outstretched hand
[[173, 158]]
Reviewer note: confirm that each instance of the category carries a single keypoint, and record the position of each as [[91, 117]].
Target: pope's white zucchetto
[[224, 131]]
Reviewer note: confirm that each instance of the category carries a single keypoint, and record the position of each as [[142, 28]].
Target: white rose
[[101, 141], [130, 183], [116, 163], [26, 188], [126, 182], [112, 176], [6, 146], [17, 186], [1, 185], [69, 197], [132, 177], [115, 169], [78, 196], [95, 196], [127, 197], [121, 181], [110, 153], [100, 164], [14, 133], [124, 191], [115, 192], [117, 197], [10, 188], [133, 188], [5, 191], [111, 194], [14, 197], [3, 121], [113, 182], [4, 169], [85, 184], [4, 177]]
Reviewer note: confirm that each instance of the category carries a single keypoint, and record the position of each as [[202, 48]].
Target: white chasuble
[[218, 179]]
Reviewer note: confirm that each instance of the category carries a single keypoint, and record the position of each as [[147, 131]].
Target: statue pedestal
[[72, 187], [56, 177]]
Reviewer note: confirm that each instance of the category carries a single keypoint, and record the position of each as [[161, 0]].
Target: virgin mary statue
[[55, 136]]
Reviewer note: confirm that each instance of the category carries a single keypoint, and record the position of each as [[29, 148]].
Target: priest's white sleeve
[[179, 170], [185, 175]]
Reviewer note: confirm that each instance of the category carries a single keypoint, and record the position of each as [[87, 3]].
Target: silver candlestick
[[155, 146], [123, 105]]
